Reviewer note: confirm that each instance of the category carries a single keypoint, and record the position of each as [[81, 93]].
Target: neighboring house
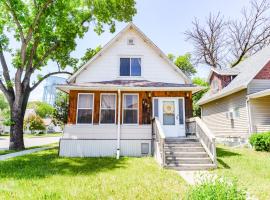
[[238, 102], [115, 95]]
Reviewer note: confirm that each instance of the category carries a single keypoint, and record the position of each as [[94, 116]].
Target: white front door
[[171, 114]]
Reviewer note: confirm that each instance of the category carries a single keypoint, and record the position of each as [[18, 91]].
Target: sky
[[164, 22]]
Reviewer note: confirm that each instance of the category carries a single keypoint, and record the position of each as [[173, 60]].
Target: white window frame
[[130, 65], [153, 104], [123, 108], [101, 94], [93, 105]]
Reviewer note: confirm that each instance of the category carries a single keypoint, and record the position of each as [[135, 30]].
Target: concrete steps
[[186, 154]]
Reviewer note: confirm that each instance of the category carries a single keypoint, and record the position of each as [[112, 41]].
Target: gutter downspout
[[118, 124], [250, 129]]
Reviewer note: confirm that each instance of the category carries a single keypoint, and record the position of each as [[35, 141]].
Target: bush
[[34, 122], [216, 189], [260, 141]]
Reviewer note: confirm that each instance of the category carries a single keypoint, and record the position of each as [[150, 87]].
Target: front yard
[[251, 168], [44, 175]]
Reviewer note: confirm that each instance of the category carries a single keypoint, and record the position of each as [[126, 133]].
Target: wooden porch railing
[[158, 141], [197, 126]]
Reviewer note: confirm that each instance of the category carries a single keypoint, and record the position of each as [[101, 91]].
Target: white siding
[[214, 115], [260, 114], [101, 148], [106, 67], [107, 131], [257, 85]]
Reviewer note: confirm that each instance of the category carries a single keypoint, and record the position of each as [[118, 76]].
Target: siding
[[214, 115], [106, 67], [257, 85], [260, 114]]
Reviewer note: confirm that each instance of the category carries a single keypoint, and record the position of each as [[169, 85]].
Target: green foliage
[[60, 114], [260, 141], [89, 54], [3, 102], [198, 95], [184, 63], [34, 122], [219, 189], [42, 109]]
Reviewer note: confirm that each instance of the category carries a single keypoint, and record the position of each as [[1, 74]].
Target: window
[[85, 109], [155, 110], [168, 113], [130, 66], [215, 85], [107, 108], [130, 109], [181, 110]]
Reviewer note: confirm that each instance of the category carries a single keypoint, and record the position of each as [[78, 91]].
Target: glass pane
[[107, 116], [135, 67], [124, 66], [181, 111], [85, 101], [108, 101], [84, 116], [130, 117], [168, 113], [156, 108], [130, 101]]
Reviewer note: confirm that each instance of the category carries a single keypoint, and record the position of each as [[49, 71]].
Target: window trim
[[138, 109], [93, 106], [115, 95], [130, 57]]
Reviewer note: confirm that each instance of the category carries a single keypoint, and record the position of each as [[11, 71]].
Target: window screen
[[107, 108], [130, 109], [85, 108]]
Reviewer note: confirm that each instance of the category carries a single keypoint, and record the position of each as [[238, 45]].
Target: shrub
[[216, 188], [34, 122], [260, 141]]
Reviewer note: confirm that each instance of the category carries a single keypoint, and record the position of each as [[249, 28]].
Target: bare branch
[[46, 76]]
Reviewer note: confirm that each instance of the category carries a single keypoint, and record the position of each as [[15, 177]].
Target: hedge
[[260, 141]]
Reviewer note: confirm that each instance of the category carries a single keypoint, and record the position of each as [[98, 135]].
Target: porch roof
[[130, 85], [259, 94]]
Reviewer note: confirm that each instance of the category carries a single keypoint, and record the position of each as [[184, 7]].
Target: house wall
[[260, 114], [264, 73], [145, 104], [107, 66], [257, 85], [214, 115], [222, 80]]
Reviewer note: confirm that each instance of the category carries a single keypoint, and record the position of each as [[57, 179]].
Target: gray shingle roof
[[248, 69]]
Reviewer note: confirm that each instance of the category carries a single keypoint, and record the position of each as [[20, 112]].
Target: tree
[[60, 114], [3, 102], [221, 42], [198, 95], [46, 30], [34, 122], [41, 108], [184, 63]]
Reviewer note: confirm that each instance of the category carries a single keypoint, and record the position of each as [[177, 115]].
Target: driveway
[[29, 142]]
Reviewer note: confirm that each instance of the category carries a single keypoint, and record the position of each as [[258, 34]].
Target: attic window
[[130, 41]]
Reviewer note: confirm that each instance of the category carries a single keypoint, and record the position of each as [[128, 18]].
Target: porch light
[[187, 94], [149, 94]]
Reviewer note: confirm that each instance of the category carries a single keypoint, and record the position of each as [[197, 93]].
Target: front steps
[[186, 154]]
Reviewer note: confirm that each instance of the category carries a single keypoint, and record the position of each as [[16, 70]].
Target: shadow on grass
[[222, 153], [48, 163]]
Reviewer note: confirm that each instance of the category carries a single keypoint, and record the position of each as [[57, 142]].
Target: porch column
[[118, 124]]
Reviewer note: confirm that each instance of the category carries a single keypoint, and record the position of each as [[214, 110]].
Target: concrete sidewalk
[[21, 153]]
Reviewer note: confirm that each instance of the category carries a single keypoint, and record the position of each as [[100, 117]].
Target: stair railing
[[158, 141], [206, 137]]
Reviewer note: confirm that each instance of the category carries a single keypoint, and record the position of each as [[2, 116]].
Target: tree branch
[[4, 65], [48, 75]]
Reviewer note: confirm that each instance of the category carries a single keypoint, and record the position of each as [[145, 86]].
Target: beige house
[[238, 102]]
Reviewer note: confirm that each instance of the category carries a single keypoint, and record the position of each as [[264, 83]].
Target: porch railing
[[197, 126], [158, 141]]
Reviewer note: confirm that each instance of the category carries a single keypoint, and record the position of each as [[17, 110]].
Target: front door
[[171, 116]]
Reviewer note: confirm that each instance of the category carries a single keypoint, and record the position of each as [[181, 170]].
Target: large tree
[[46, 30], [222, 42]]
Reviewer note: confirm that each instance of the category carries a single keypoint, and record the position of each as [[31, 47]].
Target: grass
[[251, 168], [36, 135], [44, 175]]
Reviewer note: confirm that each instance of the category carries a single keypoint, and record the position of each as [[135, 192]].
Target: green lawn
[[44, 175], [251, 168]]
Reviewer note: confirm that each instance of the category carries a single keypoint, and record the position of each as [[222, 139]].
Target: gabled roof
[[248, 69], [223, 72], [116, 38]]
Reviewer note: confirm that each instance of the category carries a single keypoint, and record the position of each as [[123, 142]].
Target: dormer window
[[130, 66]]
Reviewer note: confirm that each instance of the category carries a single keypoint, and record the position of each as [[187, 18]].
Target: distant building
[[49, 92]]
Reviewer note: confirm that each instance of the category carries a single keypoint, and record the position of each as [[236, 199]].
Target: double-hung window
[[130, 66], [130, 109], [85, 109], [107, 108]]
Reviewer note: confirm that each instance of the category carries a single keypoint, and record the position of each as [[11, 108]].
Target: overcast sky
[[164, 22]]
